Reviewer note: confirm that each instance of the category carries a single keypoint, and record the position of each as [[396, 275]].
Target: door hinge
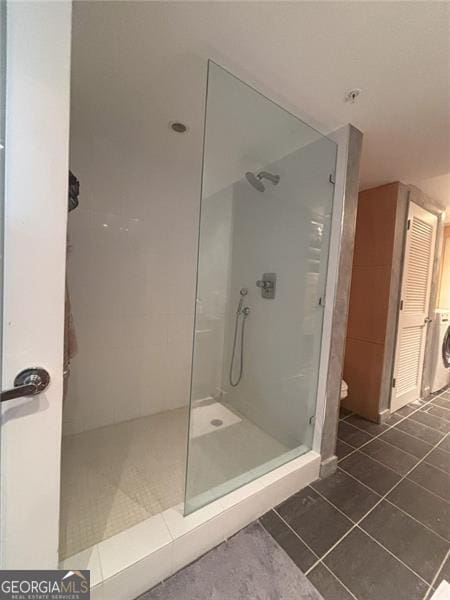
[[393, 382], [321, 301], [408, 226], [332, 178], [312, 420], [401, 304]]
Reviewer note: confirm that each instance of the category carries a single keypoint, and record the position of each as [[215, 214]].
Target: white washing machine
[[441, 349]]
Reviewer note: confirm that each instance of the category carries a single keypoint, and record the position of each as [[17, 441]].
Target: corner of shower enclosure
[[264, 236]]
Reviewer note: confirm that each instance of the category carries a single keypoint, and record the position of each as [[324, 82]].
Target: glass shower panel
[[263, 250]]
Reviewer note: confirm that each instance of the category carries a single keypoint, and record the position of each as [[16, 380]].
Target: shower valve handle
[[268, 285], [265, 285]]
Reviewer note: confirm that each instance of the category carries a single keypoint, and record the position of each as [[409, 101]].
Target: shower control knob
[[267, 285]]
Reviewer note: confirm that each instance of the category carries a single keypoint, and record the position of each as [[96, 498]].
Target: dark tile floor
[[378, 528]]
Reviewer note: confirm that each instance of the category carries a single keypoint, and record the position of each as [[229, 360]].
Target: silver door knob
[[28, 382]]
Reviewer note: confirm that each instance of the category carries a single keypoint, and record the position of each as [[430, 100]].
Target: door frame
[[36, 165], [421, 201]]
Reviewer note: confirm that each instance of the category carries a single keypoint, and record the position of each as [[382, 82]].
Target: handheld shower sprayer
[[244, 311], [243, 292]]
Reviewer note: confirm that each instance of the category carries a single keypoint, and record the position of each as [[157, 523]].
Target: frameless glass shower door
[[263, 250]]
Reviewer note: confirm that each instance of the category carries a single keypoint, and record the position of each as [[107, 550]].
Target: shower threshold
[[116, 476], [132, 561]]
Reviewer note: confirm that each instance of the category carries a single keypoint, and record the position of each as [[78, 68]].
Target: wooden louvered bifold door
[[414, 306]]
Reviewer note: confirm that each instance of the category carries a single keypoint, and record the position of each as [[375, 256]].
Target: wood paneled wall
[[369, 298]]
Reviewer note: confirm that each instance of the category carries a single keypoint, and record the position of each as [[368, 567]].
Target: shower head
[[255, 180]]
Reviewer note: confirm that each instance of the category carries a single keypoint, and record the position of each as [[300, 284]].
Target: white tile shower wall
[[283, 230], [131, 275], [213, 292]]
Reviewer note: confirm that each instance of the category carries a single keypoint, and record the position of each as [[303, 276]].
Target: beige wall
[[369, 298]]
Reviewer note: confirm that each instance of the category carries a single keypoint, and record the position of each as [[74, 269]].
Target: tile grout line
[[398, 447], [295, 533], [330, 550], [292, 531], [374, 460], [346, 417], [414, 437], [360, 520], [421, 439], [356, 526], [412, 480], [318, 561], [438, 468], [337, 578], [384, 442], [402, 477], [416, 520], [443, 394], [443, 449], [392, 470], [434, 417], [393, 555], [432, 414], [420, 422], [438, 572], [397, 507], [388, 428], [439, 408], [361, 482], [424, 424]]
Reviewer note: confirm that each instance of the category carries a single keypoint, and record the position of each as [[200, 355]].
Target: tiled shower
[[154, 279]]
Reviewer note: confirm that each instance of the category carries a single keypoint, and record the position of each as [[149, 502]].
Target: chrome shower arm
[[270, 176]]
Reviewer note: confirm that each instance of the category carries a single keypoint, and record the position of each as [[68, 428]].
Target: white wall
[[283, 230], [131, 273], [213, 293]]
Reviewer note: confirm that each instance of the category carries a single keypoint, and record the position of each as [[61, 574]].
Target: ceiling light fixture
[[352, 95], [178, 127]]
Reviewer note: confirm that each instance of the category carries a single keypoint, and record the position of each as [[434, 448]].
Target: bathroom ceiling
[[141, 65], [436, 187]]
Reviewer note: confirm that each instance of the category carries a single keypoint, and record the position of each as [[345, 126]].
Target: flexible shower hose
[[244, 314]]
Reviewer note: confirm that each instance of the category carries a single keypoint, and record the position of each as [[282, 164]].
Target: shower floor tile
[[114, 477], [117, 476]]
